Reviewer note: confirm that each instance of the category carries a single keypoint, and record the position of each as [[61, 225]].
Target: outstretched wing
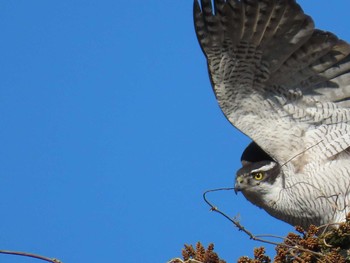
[[279, 80]]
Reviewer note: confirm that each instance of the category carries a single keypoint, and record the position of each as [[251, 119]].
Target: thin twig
[[25, 254], [177, 260], [250, 234], [235, 222], [271, 236], [304, 151]]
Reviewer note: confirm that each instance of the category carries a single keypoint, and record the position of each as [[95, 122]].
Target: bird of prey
[[286, 85]]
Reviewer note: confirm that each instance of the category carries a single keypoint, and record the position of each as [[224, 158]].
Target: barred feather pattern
[[286, 85], [312, 198]]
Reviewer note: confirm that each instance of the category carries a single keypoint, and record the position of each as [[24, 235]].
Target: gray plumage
[[286, 85]]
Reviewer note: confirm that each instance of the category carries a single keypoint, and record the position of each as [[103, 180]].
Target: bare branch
[[25, 254], [235, 222], [258, 238]]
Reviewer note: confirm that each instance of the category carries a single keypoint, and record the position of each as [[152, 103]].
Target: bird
[[286, 85]]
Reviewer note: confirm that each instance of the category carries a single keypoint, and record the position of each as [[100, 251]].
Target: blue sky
[[110, 133]]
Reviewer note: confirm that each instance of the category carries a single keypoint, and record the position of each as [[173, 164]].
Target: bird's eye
[[258, 176]]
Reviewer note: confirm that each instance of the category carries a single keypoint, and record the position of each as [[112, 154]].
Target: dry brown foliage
[[198, 255], [310, 246], [314, 245]]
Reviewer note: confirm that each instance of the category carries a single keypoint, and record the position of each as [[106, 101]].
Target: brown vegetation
[[314, 245]]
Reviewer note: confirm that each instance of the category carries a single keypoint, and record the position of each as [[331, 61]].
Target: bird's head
[[256, 177], [258, 174]]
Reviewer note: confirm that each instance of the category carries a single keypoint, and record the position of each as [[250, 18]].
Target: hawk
[[286, 85]]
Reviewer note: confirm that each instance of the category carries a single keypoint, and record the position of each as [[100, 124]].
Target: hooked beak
[[239, 181]]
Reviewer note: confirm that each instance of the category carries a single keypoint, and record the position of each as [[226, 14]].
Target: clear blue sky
[[110, 133]]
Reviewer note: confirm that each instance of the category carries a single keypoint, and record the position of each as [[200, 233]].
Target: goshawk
[[286, 85]]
